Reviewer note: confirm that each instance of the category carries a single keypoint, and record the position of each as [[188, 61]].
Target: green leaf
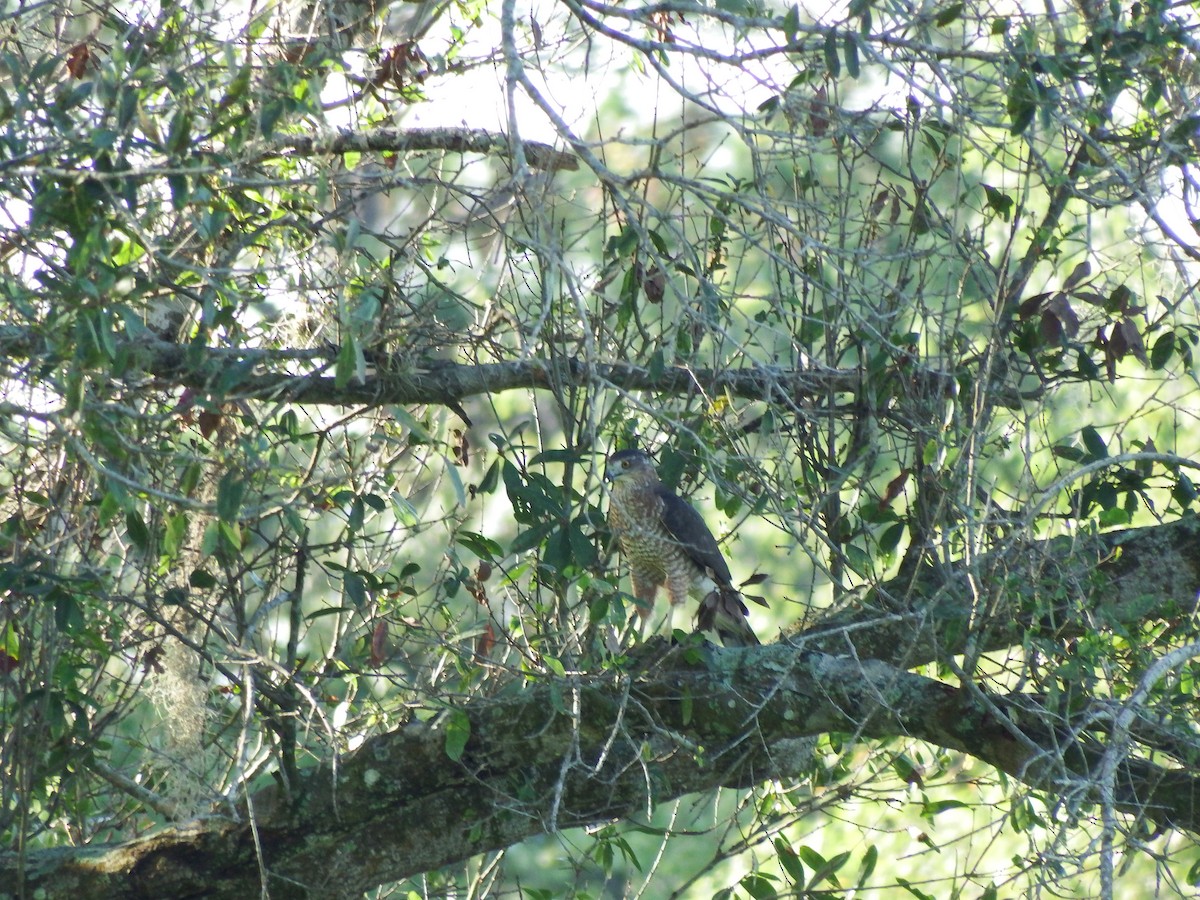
[[269, 115], [175, 596], [1022, 102], [179, 136], [460, 490], [93, 339], [737, 7], [405, 512], [1184, 491], [557, 456], [10, 647], [233, 375], [230, 492], [810, 856], [327, 611], [1093, 443], [190, 479], [870, 858], [828, 872], [357, 516], [1160, 353], [1068, 451], [905, 769], [458, 732], [346, 364], [531, 537], [1110, 518], [832, 63], [491, 478], [790, 861], [950, 14], [556, 555], [180, 191], [76, 392], [998, 202], [68, 615], [202, 579], [933, 808], [135, 527], [420, 433], [1120, 299], [657, 365], [174, 534], [622, 244], [583, 551], [1193, 874], [483, 547], [355, 589], [230, 536], [851, 53], [791, 23], [759, 886], [916, 892], [890, 539]]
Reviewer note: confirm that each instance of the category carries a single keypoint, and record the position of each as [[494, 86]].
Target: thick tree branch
[[1060, 587], [449, 383], [400, 380], [410, 140], [400, 806]]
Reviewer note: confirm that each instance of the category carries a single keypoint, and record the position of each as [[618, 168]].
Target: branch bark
[[411, 140], [400, 380], [686, 721], [1060, 587]]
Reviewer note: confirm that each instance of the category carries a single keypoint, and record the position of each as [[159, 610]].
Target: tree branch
[[1062, 587], [411, 140], [400, 380], [400, 806]]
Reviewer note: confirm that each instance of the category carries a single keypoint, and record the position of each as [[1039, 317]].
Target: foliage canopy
[[317, 321]]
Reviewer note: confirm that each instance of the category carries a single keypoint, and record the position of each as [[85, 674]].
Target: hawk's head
[[635, 465]]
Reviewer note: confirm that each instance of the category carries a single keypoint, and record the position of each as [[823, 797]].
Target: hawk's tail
[[723, 611]]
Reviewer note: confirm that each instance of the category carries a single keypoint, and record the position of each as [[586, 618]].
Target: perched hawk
[[666, 542]]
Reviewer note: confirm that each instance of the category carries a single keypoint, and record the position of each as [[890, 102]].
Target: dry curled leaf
[[1059, 319], [1080, 272], [1127, 339], [78, 58], [654, 283], [403, 65], [892, 491], [379, 642]]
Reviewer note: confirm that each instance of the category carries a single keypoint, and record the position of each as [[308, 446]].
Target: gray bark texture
[[589, 748]]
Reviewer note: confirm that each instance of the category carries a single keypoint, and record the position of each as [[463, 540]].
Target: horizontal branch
[[1118, 577], [245, 372], [449, 383], [411, 140], [401, 806]]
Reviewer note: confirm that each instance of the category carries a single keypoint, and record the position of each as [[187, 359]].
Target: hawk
[[666, 542]]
